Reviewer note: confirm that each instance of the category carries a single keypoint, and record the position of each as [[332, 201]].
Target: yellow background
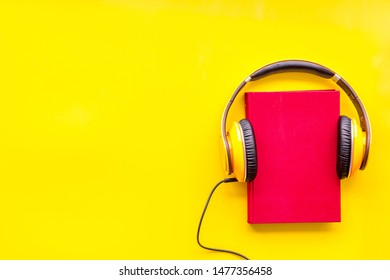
[[110, 114]]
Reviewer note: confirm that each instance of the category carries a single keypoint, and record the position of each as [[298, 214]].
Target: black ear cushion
[[250, 150], [344, 146]]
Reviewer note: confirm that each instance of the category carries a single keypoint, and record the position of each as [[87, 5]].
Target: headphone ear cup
[[344, 147], [250, 150]]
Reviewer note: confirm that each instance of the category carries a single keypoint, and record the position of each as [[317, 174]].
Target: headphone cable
[[226, 180]]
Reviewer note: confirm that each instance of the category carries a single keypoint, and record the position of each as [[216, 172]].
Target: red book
[[296, 141]]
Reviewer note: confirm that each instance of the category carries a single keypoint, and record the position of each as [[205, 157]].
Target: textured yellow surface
[[109, 125]]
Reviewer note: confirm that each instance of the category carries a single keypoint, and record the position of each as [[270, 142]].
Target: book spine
[[250, 190]]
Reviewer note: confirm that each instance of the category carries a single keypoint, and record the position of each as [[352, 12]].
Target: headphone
[[353, 145]]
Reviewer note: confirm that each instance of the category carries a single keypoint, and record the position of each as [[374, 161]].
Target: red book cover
[[296, 141]]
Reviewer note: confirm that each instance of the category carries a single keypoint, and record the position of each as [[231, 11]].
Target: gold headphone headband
[[305, 67]]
